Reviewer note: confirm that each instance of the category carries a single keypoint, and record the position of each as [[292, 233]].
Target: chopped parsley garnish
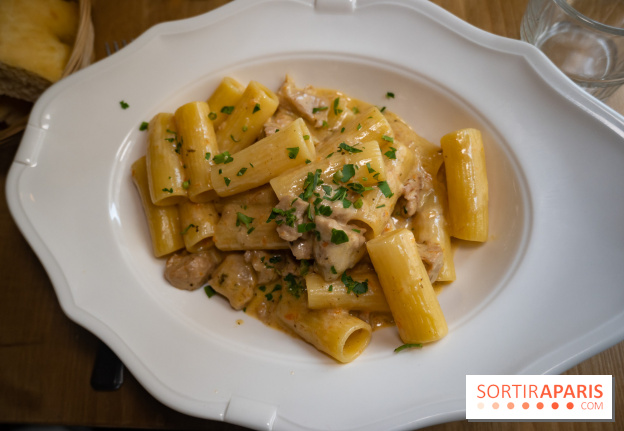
[[348, 148], [324, 210], [327, 189], [355, 110], [186, 184], [224, 158], [370, 169], [387, 138], [320, 108], [293, 286], [358, 204], [330, 288], [306, 227], [333, 270], [144, 125], [304, 267], [346, 203], [241, 172], [227, 110], [391, 153], [187, 228], [407, 346], [341, 193], [246, 220], [389, 95], [124, 105], [339, 236], [380, 206], [306, 137], [383, 108], [359, 126], [342, 130], [348, 172], [210, 292], [282, 217], [308, 161], [358, 188], [227, 181], [234, 139], [167, 190], [310, 184], [292, 152], [357, 287], [207, 156], [212, 116], [256, 108], [336, 102], [385, 189]]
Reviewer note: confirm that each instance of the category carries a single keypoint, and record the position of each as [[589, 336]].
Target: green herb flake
[[244, 128], [210, 292], [292, 152], [281, 216], [387, 138], [370, 169], [391, 153], [348, 172], [342, 130], [227, 181], [234, 139], [380, 206], [256, 108], [306, 137], [227, 110], [167, 190], [330, 288], [207, 157], [383, 108], [318, 109], [357, 287], [186, 184], [144, 125], [124, 105], [212, 116], [359, 126], [186, 229], [241, 172], [333, 270], [389, 95], [243, 219], [336, 102], [324, 210], [348, 148], [358, 204], [306, 227], [355, 110], [293, 286], [408, 346], [339, 236], [224, 158], [385, 189]]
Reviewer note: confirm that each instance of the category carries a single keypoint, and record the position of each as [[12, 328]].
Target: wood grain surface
[[46, 359]]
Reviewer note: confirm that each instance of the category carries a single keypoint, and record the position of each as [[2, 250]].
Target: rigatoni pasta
[[320, 214]]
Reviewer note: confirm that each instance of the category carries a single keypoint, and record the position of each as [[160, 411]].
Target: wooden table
[[46, 359]]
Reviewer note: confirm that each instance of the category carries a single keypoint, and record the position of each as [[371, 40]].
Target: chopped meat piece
[[303, 247], [433, 259], [304, 101], [270, 266], [416, 190], [332, 259], [288, 231], [280, 120], [235, 279], [189, 271]]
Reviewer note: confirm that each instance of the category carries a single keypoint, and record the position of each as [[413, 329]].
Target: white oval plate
[[543, 294]]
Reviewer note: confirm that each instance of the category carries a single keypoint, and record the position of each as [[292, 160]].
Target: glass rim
[[596, 25]]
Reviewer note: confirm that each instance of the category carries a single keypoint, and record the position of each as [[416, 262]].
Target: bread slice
[[36, 40]]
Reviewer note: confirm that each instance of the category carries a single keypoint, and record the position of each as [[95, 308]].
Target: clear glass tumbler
[[584, 38]]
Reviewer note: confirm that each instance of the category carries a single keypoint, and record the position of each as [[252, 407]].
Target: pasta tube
[[467, 184], [367, 169], [198, 144], [245, 227], [430, 226], [410, 295], [368, 125], [244, 124], [335, 294], [163, 221], [263, 195], [333, 331], [225, 96], [264, 160], [165, 173], [198, 222]]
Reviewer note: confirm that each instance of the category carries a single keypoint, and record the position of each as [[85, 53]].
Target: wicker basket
[[81, 56]]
